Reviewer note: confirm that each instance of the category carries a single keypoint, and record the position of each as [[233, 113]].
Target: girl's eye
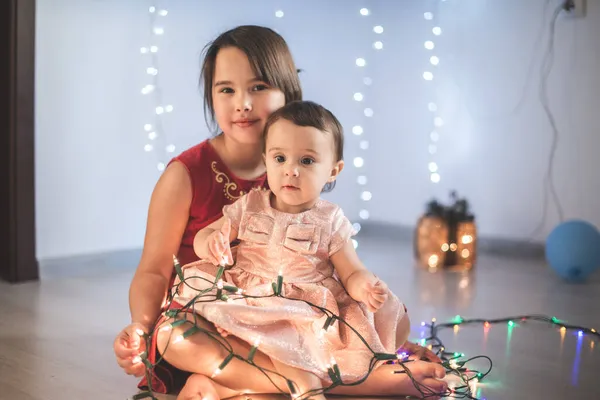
[[260, 87], [307, 161], [280, 159], [226, 90]]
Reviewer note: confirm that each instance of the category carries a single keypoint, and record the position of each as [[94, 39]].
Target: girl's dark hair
[[308, 113], [269, 57]]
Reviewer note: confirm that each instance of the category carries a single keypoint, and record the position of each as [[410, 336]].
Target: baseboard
[[488, 245], [95, 264], [126, 261]]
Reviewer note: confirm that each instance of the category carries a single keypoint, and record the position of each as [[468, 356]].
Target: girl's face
[[242, 102]]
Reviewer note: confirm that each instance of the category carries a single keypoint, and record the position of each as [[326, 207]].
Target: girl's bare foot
[[200, 387]]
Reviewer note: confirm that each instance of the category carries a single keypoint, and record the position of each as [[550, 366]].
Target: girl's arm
[[167, 218]]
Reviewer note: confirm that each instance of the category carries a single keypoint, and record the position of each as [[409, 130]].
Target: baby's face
[[300, 160]]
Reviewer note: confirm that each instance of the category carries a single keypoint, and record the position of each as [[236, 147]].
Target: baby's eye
[[279, 159], [307, 161]]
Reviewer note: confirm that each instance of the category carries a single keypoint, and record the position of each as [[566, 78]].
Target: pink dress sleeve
[[234, 212], [341, 231]]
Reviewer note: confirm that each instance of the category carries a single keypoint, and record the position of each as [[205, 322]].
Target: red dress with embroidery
[[213, 186]]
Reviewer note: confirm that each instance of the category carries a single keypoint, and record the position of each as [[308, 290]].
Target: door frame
[[18, 261]]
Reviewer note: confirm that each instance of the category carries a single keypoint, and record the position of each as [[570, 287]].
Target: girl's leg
[[383, 381], [199, 387], [201, 354], [304, 381]]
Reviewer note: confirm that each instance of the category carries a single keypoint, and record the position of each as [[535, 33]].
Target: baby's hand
[[222, 331], [373, 292], [377, 293], [218, 247]]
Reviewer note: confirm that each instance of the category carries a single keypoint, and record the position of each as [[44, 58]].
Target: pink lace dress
[[297, 246]]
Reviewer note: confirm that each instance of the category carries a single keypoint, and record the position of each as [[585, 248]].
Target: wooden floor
[[56, 336]]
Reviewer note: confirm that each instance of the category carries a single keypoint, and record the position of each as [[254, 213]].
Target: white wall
[[94, 178]]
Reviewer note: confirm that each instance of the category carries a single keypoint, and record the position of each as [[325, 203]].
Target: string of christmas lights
[[434, 30], [455, 363], [359, 130], [154, 129]]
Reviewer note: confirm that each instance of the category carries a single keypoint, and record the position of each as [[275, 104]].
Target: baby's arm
[[213, 242], [361, 284]]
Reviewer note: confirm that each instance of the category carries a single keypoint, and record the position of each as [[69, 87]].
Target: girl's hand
[[218, 249], [417, 352], [128, 346]]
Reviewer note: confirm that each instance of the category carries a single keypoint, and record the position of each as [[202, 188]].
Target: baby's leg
[[304, 381], [402, 330], [200, 387]]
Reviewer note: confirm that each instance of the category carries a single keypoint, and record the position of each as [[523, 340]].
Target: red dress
[[213, 186]]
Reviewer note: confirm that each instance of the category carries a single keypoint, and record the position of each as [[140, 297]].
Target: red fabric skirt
[[166, 379]]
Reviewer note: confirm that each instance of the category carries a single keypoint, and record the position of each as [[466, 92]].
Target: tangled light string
[[455, 363]]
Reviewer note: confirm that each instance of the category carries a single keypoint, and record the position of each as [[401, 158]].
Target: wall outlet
[[575, 8]]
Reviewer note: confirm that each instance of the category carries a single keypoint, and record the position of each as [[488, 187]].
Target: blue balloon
[[573, 250]]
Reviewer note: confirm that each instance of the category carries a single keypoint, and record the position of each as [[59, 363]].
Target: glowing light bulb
[[364, 11], [357, 130], [279, 14]]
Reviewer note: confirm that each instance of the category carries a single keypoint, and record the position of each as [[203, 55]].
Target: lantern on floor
[[446, 236]]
